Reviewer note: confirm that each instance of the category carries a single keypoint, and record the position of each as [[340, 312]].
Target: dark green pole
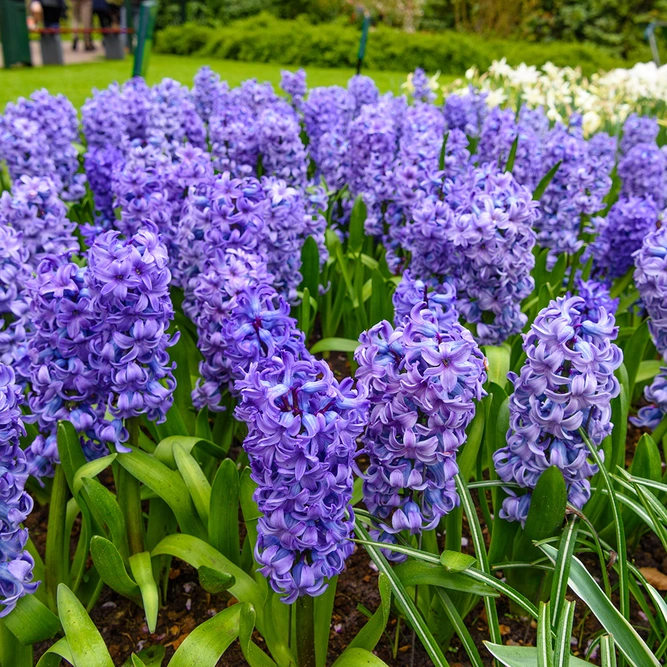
[[362, 43], [129, 24]]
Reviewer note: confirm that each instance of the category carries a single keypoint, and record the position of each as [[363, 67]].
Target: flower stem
[[56, 557], [305, 631], [129, 496]]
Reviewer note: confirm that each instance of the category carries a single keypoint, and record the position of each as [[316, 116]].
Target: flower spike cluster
[[421, 381], [566, 383], [16, 563]]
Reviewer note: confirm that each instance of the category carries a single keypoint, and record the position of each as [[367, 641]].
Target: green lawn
[[76, 81]]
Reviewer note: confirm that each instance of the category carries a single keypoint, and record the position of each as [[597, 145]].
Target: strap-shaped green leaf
[[195, 479], [165, 449], [168, 484], [91, 469], [31, 621], [196, 552], [204, 646], [214, 581], [498, 357], [545, 652], [584, 586], [252, 653], [368, 637], [142, 569], [335, 345], [563, 636], [223, 523], [182, 353], [523, 656], [310, 267], [414, 573], [70, 452], [544, 183], [85, 642], [562, 569], [110, 566], [357, 220], [358, 657], [107, 511], [460, 627], [633, 353], [55, 654]]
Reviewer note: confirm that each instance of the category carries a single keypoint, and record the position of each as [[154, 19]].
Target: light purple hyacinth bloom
[[421, 381], [439, 298], [128, 281], [63, 385], [206, 91], [16, 564], [135, 96], [651, 281], [566, 383], [102, 118], [466, 112], [597, 298], [302, 430], [34, 209], [364, 91]]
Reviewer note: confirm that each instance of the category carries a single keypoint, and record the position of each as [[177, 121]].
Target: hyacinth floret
[[16, 564], [206, 91], [364, 91], [638, 130], [643, 173], [302, 430], [566, 383], [294, 85], [128, 280], [439, 298], [103, 119], [421, 381]]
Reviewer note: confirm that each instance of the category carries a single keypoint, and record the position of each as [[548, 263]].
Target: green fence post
[[147, 16], [362, 43], [14, 33]]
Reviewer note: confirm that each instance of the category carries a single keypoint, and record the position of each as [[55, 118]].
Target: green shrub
[[264, 38]]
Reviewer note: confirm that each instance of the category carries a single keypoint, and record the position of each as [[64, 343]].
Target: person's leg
[[87, 19], [51, 17], [76, 22]]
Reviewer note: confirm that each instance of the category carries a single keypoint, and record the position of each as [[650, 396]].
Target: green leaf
[[368, 637], [455, 561], [322, 611], [584, 586], [168, 485], [105, 507], [165, 449], [142, 569], [90, 470], [561, 575], [357, 657], [404, 602], [204, 646], [607, 652], [563, 635], [251, 513], [545, 653], [223, 523], [181, 353], [499, 363], [512, 156], [31, 621], [460, 627], [357, 219], [334, 345], [196, 552], [467, 456], [310, 267], [252, 653], [110, 566], [55, 654], [523, 656], [85, 642], [648, 370], [414, 573], [633, 353], [378, 297], [544, 183], [213, 581], [70, 452], [152, 656], [443, 152], [195, 480]]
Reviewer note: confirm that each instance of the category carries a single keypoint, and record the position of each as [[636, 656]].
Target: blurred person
[[53, 11], [82, 16]]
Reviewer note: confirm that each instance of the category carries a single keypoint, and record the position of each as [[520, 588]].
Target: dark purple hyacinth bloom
[[421, 381], [294, 85], [128, 281], [603, 147], [597, 298], [567, 382], [466, 112], [620, 234], [302, 430], [651, 281], [16, 563], [638, 130], [364, 91], [643, 173]]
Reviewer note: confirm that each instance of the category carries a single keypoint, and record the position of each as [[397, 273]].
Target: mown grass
[[76, 81]]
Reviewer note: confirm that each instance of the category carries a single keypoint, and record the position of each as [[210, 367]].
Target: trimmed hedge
[[264, 38]]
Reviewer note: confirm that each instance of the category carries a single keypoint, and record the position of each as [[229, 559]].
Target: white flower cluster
[[604, 100]]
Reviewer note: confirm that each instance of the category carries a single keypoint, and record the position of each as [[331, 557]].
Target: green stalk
[[305, 631], [129, 496], [12, 652], [56, 558]]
